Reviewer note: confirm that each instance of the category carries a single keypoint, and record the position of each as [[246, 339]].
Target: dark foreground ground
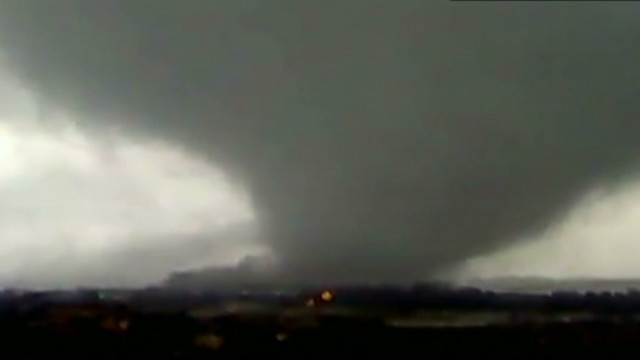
[[363, 342], [308, 326]]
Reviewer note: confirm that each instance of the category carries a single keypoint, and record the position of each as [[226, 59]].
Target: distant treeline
[[428, 296], [409, 297]]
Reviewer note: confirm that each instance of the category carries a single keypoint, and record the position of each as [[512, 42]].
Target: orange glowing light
[[326, 296]]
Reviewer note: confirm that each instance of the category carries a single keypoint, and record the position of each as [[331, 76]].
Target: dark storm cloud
[[380, 139]]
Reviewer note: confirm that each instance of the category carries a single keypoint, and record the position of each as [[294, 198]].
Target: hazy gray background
[[373, 140]]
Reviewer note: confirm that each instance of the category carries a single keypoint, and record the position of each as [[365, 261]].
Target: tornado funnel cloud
[[379, 140]]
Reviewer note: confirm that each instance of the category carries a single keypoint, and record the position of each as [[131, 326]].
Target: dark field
[[367, 323]]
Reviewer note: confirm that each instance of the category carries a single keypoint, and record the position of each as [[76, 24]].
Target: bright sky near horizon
[[114, 210], [599, 238]]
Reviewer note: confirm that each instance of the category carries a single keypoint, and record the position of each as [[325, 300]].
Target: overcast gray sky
[[375, 139]]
